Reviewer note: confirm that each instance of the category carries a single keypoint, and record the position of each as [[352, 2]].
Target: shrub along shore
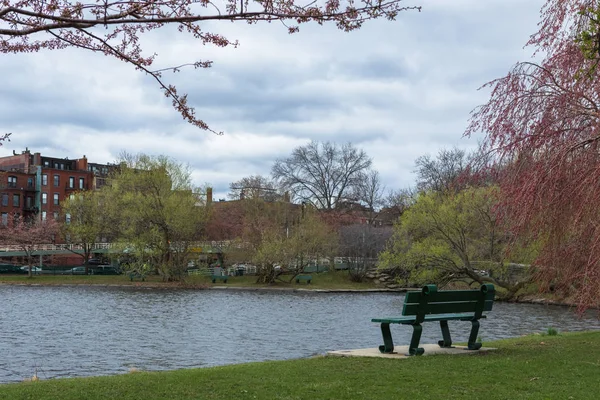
[[565, 366]]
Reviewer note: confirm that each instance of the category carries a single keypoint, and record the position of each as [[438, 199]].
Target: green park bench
[[133, 275], [429, 304], [306, 278], [214, 278]]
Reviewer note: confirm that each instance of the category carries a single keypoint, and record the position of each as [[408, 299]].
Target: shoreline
[[161, 286], [205, 287]]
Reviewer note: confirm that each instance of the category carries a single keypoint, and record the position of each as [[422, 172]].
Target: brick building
[[35, 185]]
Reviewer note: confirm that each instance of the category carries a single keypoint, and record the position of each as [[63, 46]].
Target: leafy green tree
[[444, 238], [84, 221], [157, 212]]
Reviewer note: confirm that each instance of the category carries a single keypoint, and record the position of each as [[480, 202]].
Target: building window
[[46, 163], [56, 180], [5, 219], [16, 201], [28, 202], [12, 181], [71, 182], [81, 183], [44, 198], [55, 199], [44, 179], [43, 215], [5, 199], [30, 183], [67, 218], [56, 215]]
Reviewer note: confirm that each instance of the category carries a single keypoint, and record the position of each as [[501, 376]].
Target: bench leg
[[414, 349], [447, 342], [388, 343], [472, 345]]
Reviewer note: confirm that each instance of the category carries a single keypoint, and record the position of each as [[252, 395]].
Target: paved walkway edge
[[401, 352]]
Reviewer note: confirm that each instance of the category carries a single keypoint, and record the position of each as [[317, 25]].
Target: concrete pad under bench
[[402, 351]]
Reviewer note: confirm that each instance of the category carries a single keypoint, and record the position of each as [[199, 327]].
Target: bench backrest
[[429, 301]]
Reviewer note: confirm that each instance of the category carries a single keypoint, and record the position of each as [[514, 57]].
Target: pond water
[[81, 331]]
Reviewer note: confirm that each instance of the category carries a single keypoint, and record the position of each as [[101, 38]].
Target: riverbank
[[337, 282], [533, 367]]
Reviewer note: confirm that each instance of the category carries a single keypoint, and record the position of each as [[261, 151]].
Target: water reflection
[[81, 331]]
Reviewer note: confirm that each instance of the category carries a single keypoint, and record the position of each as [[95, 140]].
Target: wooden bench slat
[[443, 308], [447, 295]]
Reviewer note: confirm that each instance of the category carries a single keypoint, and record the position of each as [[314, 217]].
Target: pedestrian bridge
[[12, 250], [48, 249]]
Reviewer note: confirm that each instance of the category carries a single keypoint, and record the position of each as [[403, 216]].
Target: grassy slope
[[534, 367], [335, 280]]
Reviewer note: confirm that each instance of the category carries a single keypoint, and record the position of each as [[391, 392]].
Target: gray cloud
[[398, 89]]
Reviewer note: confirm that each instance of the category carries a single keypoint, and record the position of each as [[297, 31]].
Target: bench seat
[[412, 320]]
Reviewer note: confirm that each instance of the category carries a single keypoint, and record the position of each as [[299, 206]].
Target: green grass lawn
[[534, 367], [329, 280]]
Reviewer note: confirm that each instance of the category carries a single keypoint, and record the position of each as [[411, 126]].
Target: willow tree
[[543, 121], [157, 212], [452, 237], [116, 28]]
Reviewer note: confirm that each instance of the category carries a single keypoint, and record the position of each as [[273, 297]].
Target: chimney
[[37, 159], [208, 196], [81, 164]]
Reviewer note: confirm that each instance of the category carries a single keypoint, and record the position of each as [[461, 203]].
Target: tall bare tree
[[360, 244], [369, 191], [322, 174], [254, 187], [440, 174]]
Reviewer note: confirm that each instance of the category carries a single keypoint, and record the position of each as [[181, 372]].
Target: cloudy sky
[[396, 89]]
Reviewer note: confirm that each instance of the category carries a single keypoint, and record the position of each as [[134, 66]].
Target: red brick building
[[35, 185]]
